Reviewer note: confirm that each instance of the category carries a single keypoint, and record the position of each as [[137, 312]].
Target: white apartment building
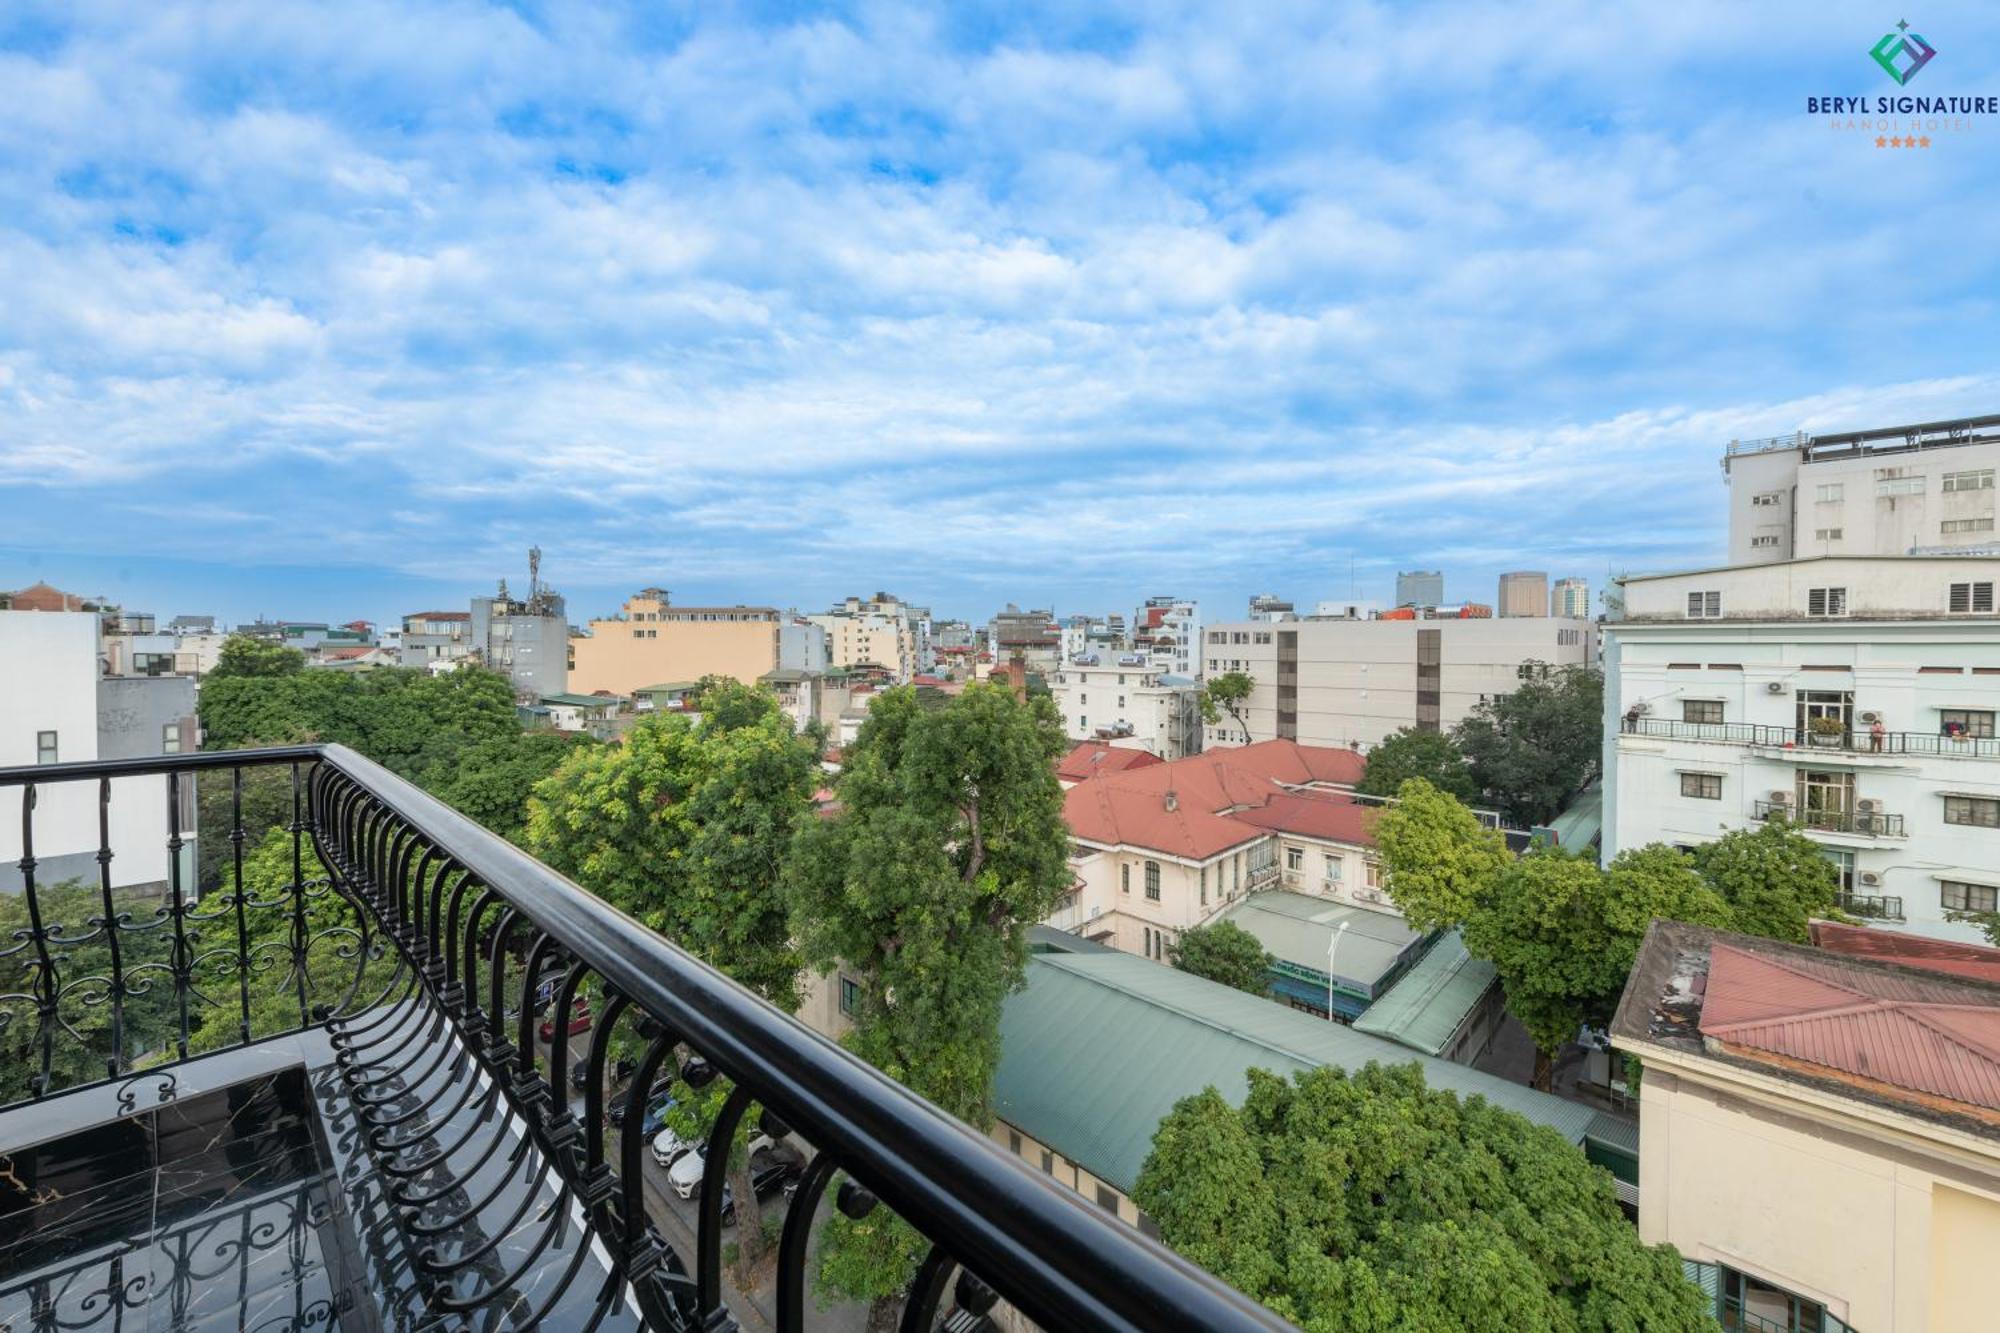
[[1856, 696], [1351, 683], [1900, 490], [1129, 703], [1168, 632], [58, 709]]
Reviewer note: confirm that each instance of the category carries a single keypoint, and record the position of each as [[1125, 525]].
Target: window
[[1705, 711], [1202, 876], [1900, 486], [1966, 722], [170, 738], [850, 999], [1332, 868], [1830, 492], [1826, 534], [1952, 525], [1702, 786], [1125, 879], [1153, 881], [1048, 1161], [1769, 540], [1147, 947], [45, 747], [1826, 602], [1971, 597], [1704, 605], [1261, 636], [1107, 1199], [1769, 499], [1374, 874], [1981, 480], [1959, 896], [1014, 1142], [1217, 636], [1977, 811], [1295, 858]]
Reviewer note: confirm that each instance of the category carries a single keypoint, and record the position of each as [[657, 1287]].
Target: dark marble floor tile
[[250, 1109], [36, 1176]]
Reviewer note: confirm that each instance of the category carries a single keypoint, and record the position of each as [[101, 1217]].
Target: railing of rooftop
[[428, 947]]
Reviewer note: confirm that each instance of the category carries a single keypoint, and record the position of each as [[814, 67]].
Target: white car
[[669, 1147], [685, 1174]]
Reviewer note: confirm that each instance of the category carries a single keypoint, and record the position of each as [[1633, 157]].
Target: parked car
[[685, 1175], [656, 1117], [579, 1020], [669, 1147], [780, 1175], [579, 1074]]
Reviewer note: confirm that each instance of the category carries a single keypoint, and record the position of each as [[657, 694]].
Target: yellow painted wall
[[683, 650], [1965, 1245]]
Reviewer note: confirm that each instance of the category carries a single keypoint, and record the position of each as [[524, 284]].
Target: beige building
[[1350, 683], [1524, 593], [652, 641], [1819, 1134]]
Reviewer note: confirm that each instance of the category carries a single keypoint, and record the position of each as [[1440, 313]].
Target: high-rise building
[[1570, 598], [1271, 607], [1167, 633], [1350, 683], [1420, 587], [653, 642], [1897, 490], [1524, 593], [526, 638]]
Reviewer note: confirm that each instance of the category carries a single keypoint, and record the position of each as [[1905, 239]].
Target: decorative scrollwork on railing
[[166, 1088]]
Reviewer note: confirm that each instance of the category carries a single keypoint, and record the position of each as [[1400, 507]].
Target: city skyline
[[1049, 308]]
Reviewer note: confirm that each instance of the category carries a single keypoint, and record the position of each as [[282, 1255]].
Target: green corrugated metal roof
[[1615, 1132], [1582, 820], [1428, 1003], [1098, 1048], [672, 687], [579, 701], [1297, 928]]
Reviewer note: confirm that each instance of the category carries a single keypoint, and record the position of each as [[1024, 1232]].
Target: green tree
[[1439, 857], [1227, 693], [1773, 877], [686, 826], [1563, 933], [1411, 753], [242, 656], [949, 843], [1532, 749], [1223, 951], [1367, 1203], [491, 780]]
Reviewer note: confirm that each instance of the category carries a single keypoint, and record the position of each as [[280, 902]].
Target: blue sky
[[332, 310]]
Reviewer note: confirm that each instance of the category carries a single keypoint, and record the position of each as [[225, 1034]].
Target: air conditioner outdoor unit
[[1781, 797], [1642, 708], [1871, 718], [1871, 878], [1869, 806], [1774, 687]]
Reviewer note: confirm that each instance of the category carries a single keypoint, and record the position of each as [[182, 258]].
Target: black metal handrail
[[1875, 906], [1859, 740], [483, 927], [1860, 823]]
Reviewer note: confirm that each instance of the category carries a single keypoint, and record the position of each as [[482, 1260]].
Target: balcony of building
[[1863, 820], [356, 1063], [1803, 743]]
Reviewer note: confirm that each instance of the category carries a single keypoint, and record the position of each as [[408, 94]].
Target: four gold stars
[[1903, 141]]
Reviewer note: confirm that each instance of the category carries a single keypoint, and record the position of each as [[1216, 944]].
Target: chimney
[[1173, 800]]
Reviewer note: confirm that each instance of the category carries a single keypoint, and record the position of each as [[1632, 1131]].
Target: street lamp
[[1331, 945]]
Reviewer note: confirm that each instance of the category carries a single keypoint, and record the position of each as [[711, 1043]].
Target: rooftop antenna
[[534, 571]]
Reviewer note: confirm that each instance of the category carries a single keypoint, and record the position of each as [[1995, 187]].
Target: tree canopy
[[948, 844], [1410, 753], [1531, 749], [1223, 951], [1370, 1203], [241, 655], [1227, 693], [1440, 858], [1772, 876]]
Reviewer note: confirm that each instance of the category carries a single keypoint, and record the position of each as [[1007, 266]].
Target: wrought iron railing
[[1925, 744], [429, 948], [1860, 823], [1874, 906]]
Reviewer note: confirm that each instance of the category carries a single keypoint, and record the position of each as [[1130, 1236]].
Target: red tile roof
[[1091, 758], [1923, 1035], [1953, 959], [343, 654], [42, 597], [1210, 802]]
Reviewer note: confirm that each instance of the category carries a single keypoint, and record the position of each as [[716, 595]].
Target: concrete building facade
[[1856, 697], [1524, 593], [1129, 704], [1351, 683], [1898, 490], [652, 642], [1167, 632]]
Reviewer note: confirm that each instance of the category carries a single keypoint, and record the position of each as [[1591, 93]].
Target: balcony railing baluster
[[467, 1115]]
